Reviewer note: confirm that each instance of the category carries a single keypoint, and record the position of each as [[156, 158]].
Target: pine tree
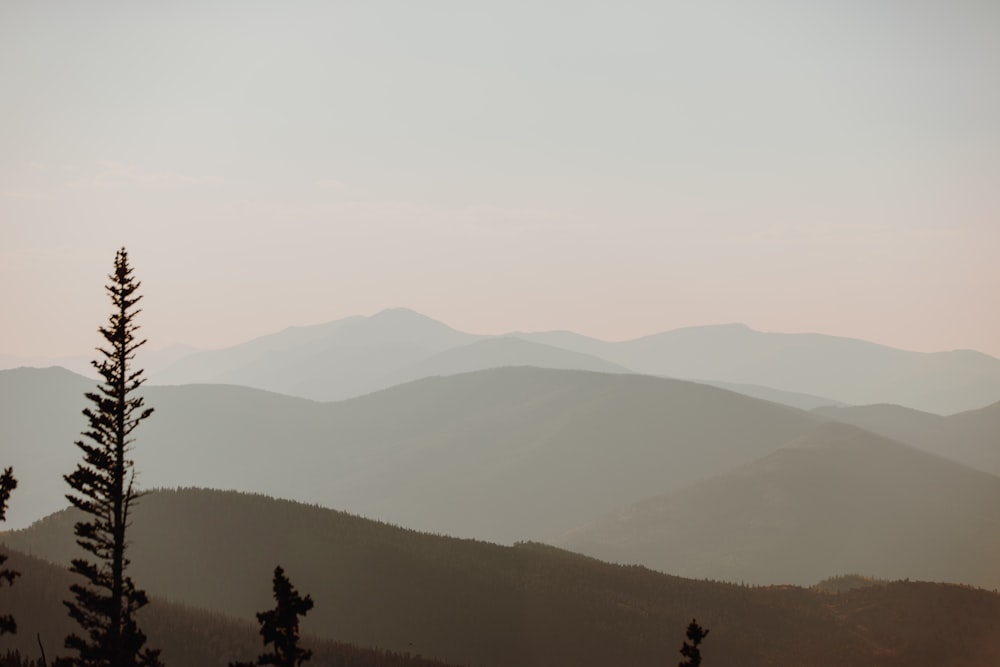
[[691, 651], [7, 484], [14, 659], [280, 626], [105, 606]]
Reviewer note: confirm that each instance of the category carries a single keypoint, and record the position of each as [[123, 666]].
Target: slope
[[476, 603], [800, 401], [972, 437], [499, 353], [503, 454], [837, 500], [325, 362], [358, 355], [851, 371], [187, 636]]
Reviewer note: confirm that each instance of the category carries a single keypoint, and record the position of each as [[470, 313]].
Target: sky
[[616, 169]]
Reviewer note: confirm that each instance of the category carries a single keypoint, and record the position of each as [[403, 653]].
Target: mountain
[[359, 355], [837, 499], [503, 454], [972, 437], [848, 370], [475, 603], [499, 353], [800, 401], [77, 364], [187, 636], [152, 360], [325, 362], [39, 420]]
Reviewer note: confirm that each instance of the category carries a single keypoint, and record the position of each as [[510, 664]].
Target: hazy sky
[[615, 168]]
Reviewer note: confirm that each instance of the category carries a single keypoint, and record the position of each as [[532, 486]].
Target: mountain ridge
[[471, 602], [834, 498], [359, 354], [505, 439]]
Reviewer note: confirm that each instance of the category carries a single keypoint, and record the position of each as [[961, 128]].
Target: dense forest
[[188, 636], [471, 602]]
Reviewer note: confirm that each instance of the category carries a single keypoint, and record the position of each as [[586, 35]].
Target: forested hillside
[[471, 602], [189, 637]]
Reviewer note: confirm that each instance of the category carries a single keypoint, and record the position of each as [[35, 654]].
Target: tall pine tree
[[105, 605], [7, 484], [280, 626]]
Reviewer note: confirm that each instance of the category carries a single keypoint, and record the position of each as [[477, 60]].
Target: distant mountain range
[[469, 602], [359, 355], [772, 494], [151, 359], [847, 370], [504, 454], [971, 437]]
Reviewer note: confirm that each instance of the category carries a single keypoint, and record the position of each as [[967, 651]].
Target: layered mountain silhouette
[[504, 454], [543, 437], [470, 602], [525, 453], [324, 362], [835, 499], [844, 369], [499, 353], [971, 437], [153, 360], [793, 399], [358, 355]]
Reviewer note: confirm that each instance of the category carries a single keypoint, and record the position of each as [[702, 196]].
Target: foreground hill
[[187, 636], [503, 454], [476, 603], [972, 437], [837, 500]]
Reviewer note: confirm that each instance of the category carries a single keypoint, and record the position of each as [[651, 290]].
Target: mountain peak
[[403, 314]]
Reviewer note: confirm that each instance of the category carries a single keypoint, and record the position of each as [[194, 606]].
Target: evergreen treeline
[[7, 485], [189, 637], [279, 627], [15, 659], [470, 602]]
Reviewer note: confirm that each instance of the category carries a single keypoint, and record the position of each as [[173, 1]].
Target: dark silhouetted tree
[[105, 606], [691, 652], [7, 484], [14, 659], [280, 626]]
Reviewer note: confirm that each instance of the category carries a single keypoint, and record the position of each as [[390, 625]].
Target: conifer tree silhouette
[[105, 606], [280, 626], [691, 652], [7, 484]]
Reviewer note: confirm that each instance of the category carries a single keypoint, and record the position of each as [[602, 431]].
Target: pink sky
[[622, 171]]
